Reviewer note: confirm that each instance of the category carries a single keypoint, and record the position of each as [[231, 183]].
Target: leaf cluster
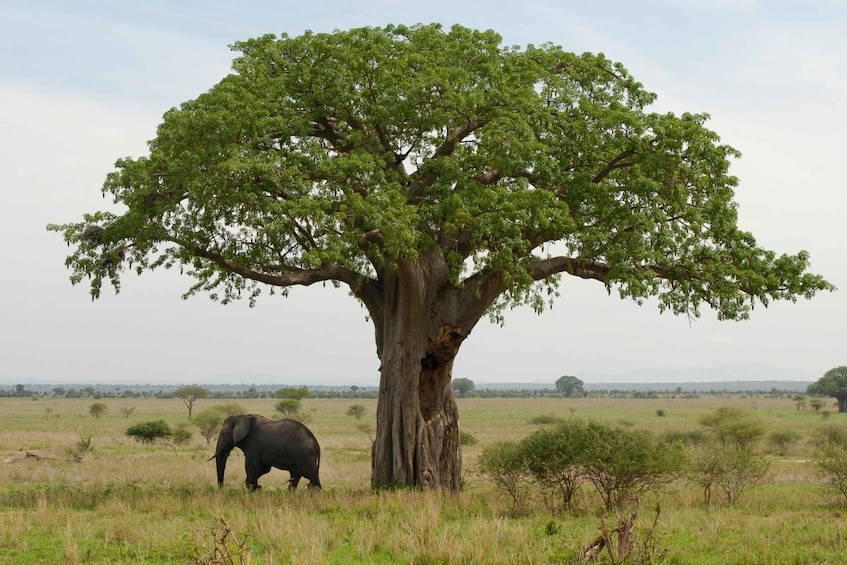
[[334, 157]]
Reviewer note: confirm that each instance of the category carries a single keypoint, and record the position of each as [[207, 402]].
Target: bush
[[729, 469], [181, 435], [554, 457], [623, 463], [545, 419], [830, 458], [356, 411], [505, 464], [733, 426], [148, 432], [467, 438], [288, 407], [620, 463], [781, 441]]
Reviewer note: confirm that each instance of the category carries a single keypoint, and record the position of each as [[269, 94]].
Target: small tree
[[505, 464], [190, 395], [127, 410], [555, 457], [208, 422], [356, 411], [799, 401], [744, 469], [98, 409], [463, 386], [832, 383], [830, 458], [780, 441], [288, 407], [733, 426], [181, 435], [148, 432], [292, 392], [570, 386], [622, 463], [816, 404]]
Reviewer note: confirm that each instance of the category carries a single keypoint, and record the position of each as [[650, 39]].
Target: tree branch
[[616, 163]]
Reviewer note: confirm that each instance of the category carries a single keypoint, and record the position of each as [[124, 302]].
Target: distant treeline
[[618, 390]]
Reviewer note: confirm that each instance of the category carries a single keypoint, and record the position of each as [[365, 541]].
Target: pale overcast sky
[[85, 82]]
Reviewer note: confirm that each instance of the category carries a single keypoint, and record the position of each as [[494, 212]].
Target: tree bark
[[417, 435]]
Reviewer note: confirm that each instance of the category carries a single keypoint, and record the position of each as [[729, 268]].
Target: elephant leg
[[293, 481], [254, 471]]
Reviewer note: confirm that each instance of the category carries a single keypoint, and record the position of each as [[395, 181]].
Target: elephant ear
[[240, 429]]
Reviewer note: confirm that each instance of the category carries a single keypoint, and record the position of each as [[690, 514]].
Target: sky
[[84, 83]]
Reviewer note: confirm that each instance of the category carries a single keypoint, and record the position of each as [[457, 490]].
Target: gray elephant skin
[[285, 444]]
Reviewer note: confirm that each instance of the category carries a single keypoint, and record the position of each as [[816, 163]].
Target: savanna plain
[[122, 501]]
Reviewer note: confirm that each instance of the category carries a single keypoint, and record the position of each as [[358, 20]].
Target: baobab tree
[[441, 177]]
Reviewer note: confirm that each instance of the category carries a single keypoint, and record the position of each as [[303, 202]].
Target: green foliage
[[733, 426], [620, 463], [209, 423], [356, 411], [463, 386], [350, 151], [288, 407], [292, 392], [544, 419], [148, 432], [97, 409], [830, 458], [623, 463], [190, 395], [504, 463], [832, 383], [181, 435], [467, 438], [570, 386], [730, 470], [780, 441]]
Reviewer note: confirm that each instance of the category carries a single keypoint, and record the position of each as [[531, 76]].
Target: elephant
[[285, 444]]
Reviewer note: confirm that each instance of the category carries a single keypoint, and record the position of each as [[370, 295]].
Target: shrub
[[623, 463], [98, 409], [733, 426], [467, 438], [660, 413], [781, 441], [181, 435], [148, 432], [288, 407], [554, 457], [831, 463], [729, 469], [505, 464], [356, 411], [687, 438], [544, 419]]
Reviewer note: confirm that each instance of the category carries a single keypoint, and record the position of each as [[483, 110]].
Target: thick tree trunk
[[417, 435], [842, 403]]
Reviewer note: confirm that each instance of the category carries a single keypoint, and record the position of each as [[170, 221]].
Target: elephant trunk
[[220, 462]]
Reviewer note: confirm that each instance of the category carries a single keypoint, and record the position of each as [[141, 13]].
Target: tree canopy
[[441, 177], [570, 386], [832, 383]]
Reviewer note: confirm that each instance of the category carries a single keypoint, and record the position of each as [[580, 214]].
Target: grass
[[125, 502]]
